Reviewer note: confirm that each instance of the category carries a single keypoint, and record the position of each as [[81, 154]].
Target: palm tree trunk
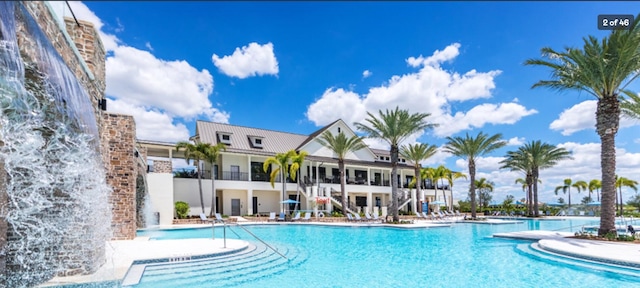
[[200, 186], [394, 182], [620, 202], [472, 186], [213, 192], [418, 186], [569, 192], [443, 194], [530, 204], [284, 188], [607, 121], [536, 211], [343, 189]]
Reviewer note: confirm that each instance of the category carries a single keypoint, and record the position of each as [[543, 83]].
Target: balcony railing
[[234, 176]]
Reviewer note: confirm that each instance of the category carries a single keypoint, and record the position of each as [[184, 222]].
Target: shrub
[[182, 209]]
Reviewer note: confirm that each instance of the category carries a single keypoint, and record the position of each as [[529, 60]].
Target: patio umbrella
[[593, 204], [437, 203], [289, 201], [555, 204]]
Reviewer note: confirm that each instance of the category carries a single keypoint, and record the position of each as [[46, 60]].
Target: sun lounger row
[[368, 218], [281, 217]]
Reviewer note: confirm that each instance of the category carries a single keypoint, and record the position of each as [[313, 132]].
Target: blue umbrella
[[289, 201], [555, 204], [593, 204]]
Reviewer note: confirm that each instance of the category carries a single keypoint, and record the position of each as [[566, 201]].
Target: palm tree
[[631, 106], [594, 184], [281, 160], [451, 176], [296, 162], [566, 188], [394, 127], [602, 68], [211, 155], [197, 153], [439, 173], [341, 145], [520, 160], [417, 153], [624, 182], [471, 148], [580, 185], [483, 186], [542, 156]]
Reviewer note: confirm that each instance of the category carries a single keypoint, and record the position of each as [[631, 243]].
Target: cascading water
[[57, 207]]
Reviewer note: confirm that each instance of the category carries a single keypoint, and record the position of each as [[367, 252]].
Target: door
[[255, 206], [235, 172], [235, 207]]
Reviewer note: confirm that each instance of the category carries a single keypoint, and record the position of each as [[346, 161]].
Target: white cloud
[[250, 60], [148, 45], [138, 77], [515, 141], [478, 116], [366, 74], [150, 124], [430, 90], [582, 116], [448, 54]]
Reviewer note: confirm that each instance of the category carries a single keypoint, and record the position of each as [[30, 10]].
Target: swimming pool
[[463, 255]]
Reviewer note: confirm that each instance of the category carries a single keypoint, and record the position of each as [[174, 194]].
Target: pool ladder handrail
[[224, 225]]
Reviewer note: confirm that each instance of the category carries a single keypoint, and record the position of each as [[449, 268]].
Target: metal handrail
[[254, 236]]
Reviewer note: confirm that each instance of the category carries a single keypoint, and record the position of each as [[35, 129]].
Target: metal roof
[[273, 142]]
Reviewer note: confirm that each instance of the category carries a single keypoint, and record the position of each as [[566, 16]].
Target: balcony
[[233, 176]]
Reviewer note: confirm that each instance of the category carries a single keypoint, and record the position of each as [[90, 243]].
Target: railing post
[[224, 234], [213, 230]]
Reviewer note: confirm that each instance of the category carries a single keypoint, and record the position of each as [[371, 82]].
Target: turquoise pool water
[[463, 255]]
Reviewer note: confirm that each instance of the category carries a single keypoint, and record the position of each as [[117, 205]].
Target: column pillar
[[369, 202], [250, 202], [249, 167]]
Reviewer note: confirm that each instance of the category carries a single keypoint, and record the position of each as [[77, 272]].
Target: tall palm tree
[[566, 188], [197, 153], [483, 186], [281, 160], [580, 185], [472, 147], [393, 127], [521, 160], [211, 155], [624, 182], [439, 173], [594, 184], [417, 153], [341, 145], [450, 177], [296, 162], [602, 68], [542, 156]]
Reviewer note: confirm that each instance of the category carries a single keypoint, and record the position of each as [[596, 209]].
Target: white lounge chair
[[357, 217], [281, 217], [204, 218], [419, 216], [426, 216], [368, 216], [307, 216], [272, 216], [297, 217], [376, 218]]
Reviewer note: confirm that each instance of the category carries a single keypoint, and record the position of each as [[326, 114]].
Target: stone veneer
[[162, 166], [119, 135]]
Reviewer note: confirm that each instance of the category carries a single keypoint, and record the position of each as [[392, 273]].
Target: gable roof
[[273, 141], [316, 134]]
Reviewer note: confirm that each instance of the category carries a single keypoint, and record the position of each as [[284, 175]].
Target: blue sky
[[297, 66]]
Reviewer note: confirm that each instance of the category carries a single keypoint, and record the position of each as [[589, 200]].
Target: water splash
[[57, 210]]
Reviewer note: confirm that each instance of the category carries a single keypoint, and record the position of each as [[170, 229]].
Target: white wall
[[268, 201], [160, 187], [185, 189], [231, 159]]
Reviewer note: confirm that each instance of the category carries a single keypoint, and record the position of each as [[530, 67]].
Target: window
[[226, 137], [255, 141], [386, 158], [338, 129], [258, 141]]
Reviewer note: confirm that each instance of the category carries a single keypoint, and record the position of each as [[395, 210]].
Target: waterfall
[[57, 210]]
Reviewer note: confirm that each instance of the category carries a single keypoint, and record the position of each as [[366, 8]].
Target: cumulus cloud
[[478, 116], [582, 116], [366, 74], [429, 90], [151, 124], [251, 60], [155, 91], [515, 141]]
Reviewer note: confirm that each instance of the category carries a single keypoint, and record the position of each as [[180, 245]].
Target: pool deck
[[123, 255]]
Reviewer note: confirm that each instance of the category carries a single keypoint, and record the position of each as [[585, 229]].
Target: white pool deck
[[121, 254]]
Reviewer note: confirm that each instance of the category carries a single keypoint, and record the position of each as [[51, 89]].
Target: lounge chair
[[357, 217], [281, 217], [219, 218], [419, 216], [297, 217], [426, 216], [204, 218], [376, 218], [435, 216], [307, 216], [272, 216], [368, 216], [442, 216]]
